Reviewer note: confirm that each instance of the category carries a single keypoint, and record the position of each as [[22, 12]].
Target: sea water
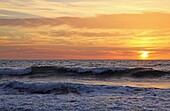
[[84, 85]]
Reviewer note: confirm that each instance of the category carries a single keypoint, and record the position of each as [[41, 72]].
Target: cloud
[[15, 14], [84, 34], [65, 0], [84, 29], [80, 8], [156, 33], [115, 21]]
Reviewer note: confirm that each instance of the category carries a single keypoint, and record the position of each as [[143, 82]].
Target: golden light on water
[[144, 54]]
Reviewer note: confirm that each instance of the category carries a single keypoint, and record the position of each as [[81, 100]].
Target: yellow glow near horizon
[[144, 54], [112, 29]]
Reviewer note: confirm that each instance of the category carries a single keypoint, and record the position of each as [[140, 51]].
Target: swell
[[105, 71], [16, 87]]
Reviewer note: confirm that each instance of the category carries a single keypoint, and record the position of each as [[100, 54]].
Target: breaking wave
[[16, 87], [130, 72]]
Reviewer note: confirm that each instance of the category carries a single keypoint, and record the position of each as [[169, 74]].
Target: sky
[[85, 29]]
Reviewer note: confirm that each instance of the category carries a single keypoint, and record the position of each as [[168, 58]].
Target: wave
[[15, 71], [55, 69], [16, 87], [107, 71]]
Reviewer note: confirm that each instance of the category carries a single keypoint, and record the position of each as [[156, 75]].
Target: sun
[[144, 54]]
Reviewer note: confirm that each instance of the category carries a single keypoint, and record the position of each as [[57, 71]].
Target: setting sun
[[144, 54], [112, 29], [84, 55]]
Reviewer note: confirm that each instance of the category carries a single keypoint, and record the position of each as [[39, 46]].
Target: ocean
[[85, 85]]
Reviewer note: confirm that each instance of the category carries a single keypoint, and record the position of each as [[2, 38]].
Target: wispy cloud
[[118, 21], [80, 8], [16, 14], [54, 42], [84, 29]]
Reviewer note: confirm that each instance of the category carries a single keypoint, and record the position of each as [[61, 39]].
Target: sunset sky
[[85, 29]]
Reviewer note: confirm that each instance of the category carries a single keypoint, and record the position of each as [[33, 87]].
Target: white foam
[[16, 95]]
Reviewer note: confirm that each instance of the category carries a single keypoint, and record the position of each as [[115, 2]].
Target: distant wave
[[14, 71], [107, 71], [16, 87]]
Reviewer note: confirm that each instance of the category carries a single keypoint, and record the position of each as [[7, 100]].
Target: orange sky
[[84, 29]]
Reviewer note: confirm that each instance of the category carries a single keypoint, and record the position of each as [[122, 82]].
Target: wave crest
[[108, 71], [16, 87]]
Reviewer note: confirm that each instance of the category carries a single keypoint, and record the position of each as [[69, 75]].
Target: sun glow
[[144, 54]]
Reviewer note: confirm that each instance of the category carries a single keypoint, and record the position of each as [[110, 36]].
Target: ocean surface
[[84, 85], [107, 72]]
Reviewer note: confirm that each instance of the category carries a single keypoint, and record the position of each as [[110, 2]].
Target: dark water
[[100, 72], [155, 64]]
